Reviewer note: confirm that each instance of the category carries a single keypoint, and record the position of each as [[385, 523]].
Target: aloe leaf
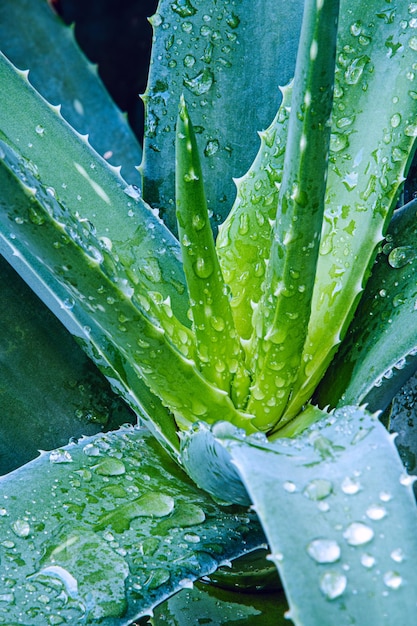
[[244, 239], [372, 143], [49, 390], [280, 318], [105, 529], [98, 266], [339, 513], [206, 49], [218, 347], [30, 33], [378, 354], [218, 607]]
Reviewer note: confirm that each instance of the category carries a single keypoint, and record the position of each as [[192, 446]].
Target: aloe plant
[[222, 343]]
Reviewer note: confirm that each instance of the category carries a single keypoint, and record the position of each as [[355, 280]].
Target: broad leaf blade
[[341, 522], [105, 529], [50, 390], [206, 49], [33, 37]]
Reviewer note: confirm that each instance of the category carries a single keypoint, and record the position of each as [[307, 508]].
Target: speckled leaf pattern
[[103, 530]]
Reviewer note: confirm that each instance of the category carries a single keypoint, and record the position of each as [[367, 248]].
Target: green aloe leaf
[[104, 263], [50, 390], [103, 530], [378, 354], [30, 33], [372, 143], [219, 351], [280, 319], [206, 50], [339, 513]]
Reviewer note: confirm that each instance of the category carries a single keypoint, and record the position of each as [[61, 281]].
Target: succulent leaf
[[372, 143], [281, 317], [105, 529], [218, 347]]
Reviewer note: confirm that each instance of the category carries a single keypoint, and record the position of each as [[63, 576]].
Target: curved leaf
[[339, 513], [215, 52], [379, 352], [30, 34], [103, 530]]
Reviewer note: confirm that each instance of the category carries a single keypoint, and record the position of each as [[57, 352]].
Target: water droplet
[[318, 489], [201, 83], [203, 267], [189, 60], [91, 450], [133, 192], [368, 560], [60, 456], [395, 120], [192, 538], [333, 584], [358, 534], [211, 148], [21, 528], [376, 512], [198, 222], [183, 8], [355, 70], [289, 486], [392, 580], [158, 577], [59, 573], [110, 466], [232, 20], [397, 555], [324, 550], [399, 257], [385, 496], [407, 480], [351, 486], [40, 130], [338, 141]]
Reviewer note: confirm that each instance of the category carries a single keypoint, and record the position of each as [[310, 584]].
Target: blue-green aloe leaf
[[379, 352], [215, 52], [33, 37], [50, 390], [339, 513], [103, 530]]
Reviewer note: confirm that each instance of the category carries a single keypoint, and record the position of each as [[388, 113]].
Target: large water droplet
[[60, 456], [358, 534], [21, 528], [318, 489], [393, 580], [398, 257], [376, 512], [351, 486], [333, 584], [368, 560], [324, 550], [110, 466], [203, 267], [183, 8], [201, 83]]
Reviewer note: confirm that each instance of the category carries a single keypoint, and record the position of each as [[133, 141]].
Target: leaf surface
[[103, 530]]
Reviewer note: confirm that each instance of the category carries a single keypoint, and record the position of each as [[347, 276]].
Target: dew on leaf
[[212, 146], [333, 584], [158, 577], [289, 486], [358, 534], [324, 550], [60, 456], [203, 267], [399, 257], [39, 130], [183, 8], [21, 528], [368, 560], [397, 555], [318, 489], [201, 83], [376, 512], [393, 580], [189, 60], [351, 486], [110, 466], [133, 192]]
